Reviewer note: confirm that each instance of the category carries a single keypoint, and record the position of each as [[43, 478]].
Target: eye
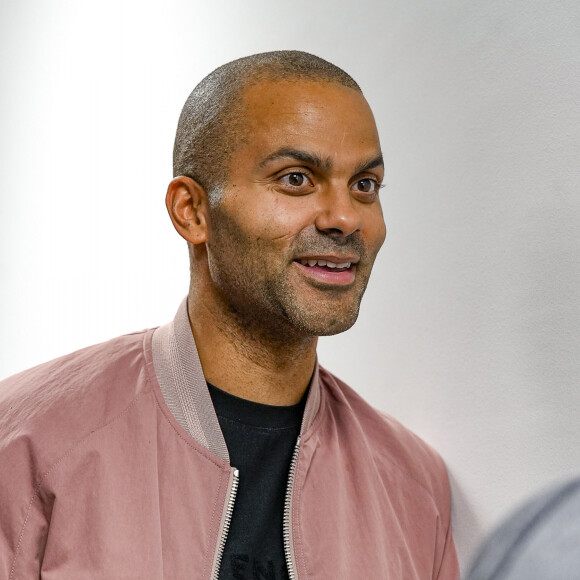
[[367, 185], [295, 179]]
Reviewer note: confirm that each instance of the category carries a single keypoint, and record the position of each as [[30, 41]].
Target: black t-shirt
[[260, 440]]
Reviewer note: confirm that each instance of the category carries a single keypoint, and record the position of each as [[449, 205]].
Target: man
[[215, 446]]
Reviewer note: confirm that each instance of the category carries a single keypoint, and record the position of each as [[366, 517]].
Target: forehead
[[327, 118]]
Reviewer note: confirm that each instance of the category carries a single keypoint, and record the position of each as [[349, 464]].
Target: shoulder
[[539, 540], [54, 404], [391, 445]]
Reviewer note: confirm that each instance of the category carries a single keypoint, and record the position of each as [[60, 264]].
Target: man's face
[[302, 192]]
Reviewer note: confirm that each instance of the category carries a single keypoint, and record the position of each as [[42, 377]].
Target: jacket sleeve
[[23, 513]]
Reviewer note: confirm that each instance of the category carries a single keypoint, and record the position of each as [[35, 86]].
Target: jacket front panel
[[360, 512], [151, 510]]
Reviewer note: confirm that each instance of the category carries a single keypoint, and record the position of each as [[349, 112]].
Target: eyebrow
[[317, 161], [298, 154], [369, 164]]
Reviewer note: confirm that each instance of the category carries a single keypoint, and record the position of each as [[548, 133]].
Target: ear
[[187, 204]]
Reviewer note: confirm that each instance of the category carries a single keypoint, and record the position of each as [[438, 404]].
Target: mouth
[[329, 270]]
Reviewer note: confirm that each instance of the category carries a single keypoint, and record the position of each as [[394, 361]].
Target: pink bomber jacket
[[113, 466]]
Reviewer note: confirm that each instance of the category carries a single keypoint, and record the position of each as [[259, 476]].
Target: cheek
[[280, 222], [382, 233], [376, 230]]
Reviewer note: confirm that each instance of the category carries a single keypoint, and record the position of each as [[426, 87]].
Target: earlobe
[[187, 204]]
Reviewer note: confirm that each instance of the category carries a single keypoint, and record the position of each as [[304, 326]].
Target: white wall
[[470, 325]]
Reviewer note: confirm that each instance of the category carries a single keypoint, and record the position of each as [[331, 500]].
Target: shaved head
[[211, 126]]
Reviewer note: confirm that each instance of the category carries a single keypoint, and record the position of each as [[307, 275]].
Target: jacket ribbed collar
[[184, 387]]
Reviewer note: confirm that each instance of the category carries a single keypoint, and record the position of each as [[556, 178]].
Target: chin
[[318, 325], [335, 329], [322, 315]]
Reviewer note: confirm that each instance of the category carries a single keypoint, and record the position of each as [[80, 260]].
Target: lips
[[328, 264], [335, 271]]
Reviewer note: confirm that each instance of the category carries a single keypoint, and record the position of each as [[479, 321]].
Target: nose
[[338, 213]]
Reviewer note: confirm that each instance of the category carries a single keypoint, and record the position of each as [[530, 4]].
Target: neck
[[262, 365]]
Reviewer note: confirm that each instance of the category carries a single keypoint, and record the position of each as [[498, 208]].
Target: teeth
[[326, 263]]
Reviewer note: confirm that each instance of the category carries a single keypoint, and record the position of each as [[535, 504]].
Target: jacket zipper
[[287, 528], [225, 526]]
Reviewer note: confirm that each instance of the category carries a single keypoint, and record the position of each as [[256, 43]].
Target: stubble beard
[[272, 312], [269, 307], [259, 304], [315, 318]]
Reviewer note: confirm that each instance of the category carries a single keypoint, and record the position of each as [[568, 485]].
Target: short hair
[[211, 126]]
